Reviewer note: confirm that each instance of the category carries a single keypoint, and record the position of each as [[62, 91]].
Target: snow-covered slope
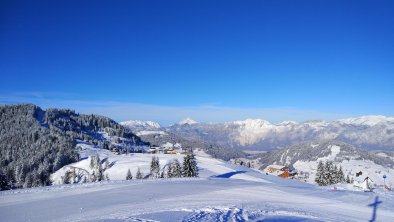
[[142, 128], [304, 158], [142, 125], [118, 165], [220, 197]]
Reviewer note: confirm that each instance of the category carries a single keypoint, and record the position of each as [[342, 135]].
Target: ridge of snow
[[140, 123], [287, 122], [150, 132], [253, 123], [188, 120], [371, 120]]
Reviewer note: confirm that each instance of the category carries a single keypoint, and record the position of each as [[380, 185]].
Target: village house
[[280, 171], [166, 148]]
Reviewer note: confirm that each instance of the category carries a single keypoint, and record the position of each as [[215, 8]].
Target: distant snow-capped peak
[[188, 120], [253, 123], [285, 123], [367, 120], [141, 124]]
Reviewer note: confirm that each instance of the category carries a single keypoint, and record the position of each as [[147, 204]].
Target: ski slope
[[224, 192]]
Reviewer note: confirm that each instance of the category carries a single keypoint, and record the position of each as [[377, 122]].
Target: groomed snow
[[201, 199], [224, 192]]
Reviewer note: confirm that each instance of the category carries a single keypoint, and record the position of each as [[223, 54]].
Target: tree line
[[328, 173], [172, 169]]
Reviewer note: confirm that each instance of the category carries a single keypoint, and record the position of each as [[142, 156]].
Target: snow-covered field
[[350, 167], [224, 192]]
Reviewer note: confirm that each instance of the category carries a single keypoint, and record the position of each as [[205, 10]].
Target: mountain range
[[368, 132]]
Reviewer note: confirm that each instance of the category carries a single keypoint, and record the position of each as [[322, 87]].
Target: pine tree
[[169, 173], [190, 168], [3, 182], [93, 177], [100, 172], [176, 168], [347, 179], [155, 167], [95, 161], [341, 175], [335, 175], [319, 174], [328, 173], [129, 176], [139, 175], [92, 162]]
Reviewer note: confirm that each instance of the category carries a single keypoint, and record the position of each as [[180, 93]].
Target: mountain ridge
[[35, 143], [373, 132]]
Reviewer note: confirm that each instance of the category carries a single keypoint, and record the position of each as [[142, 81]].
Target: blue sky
[[211, 60]]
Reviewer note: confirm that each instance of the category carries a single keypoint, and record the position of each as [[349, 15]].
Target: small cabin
[[170, 151], [280, 171]]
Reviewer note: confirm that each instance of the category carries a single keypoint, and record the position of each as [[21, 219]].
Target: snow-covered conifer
[[93, 177], [190, 168], [341, 175], [100, 172], [139, 175], [319, 174], [155, 167], [169, 173], [176, 168], [129, 176], [347, 179]]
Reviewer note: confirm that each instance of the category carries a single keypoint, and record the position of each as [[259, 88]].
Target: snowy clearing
[[191, 200], [223, 193]]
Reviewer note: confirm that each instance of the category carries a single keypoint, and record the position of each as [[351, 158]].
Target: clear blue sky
[[330, 57]]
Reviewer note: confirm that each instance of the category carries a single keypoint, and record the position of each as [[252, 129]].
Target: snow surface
[[120, 164], [224, 192], [350, 167], [201, 199], [188, 120], [367, 120], [150, 132], [141, 123]]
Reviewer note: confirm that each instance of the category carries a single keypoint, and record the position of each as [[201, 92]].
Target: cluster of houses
[[280, 171], [167, 148]]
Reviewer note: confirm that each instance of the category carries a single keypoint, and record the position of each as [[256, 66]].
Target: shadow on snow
[[228, 175]]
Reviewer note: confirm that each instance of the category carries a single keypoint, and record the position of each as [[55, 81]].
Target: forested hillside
[[35, 143]]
